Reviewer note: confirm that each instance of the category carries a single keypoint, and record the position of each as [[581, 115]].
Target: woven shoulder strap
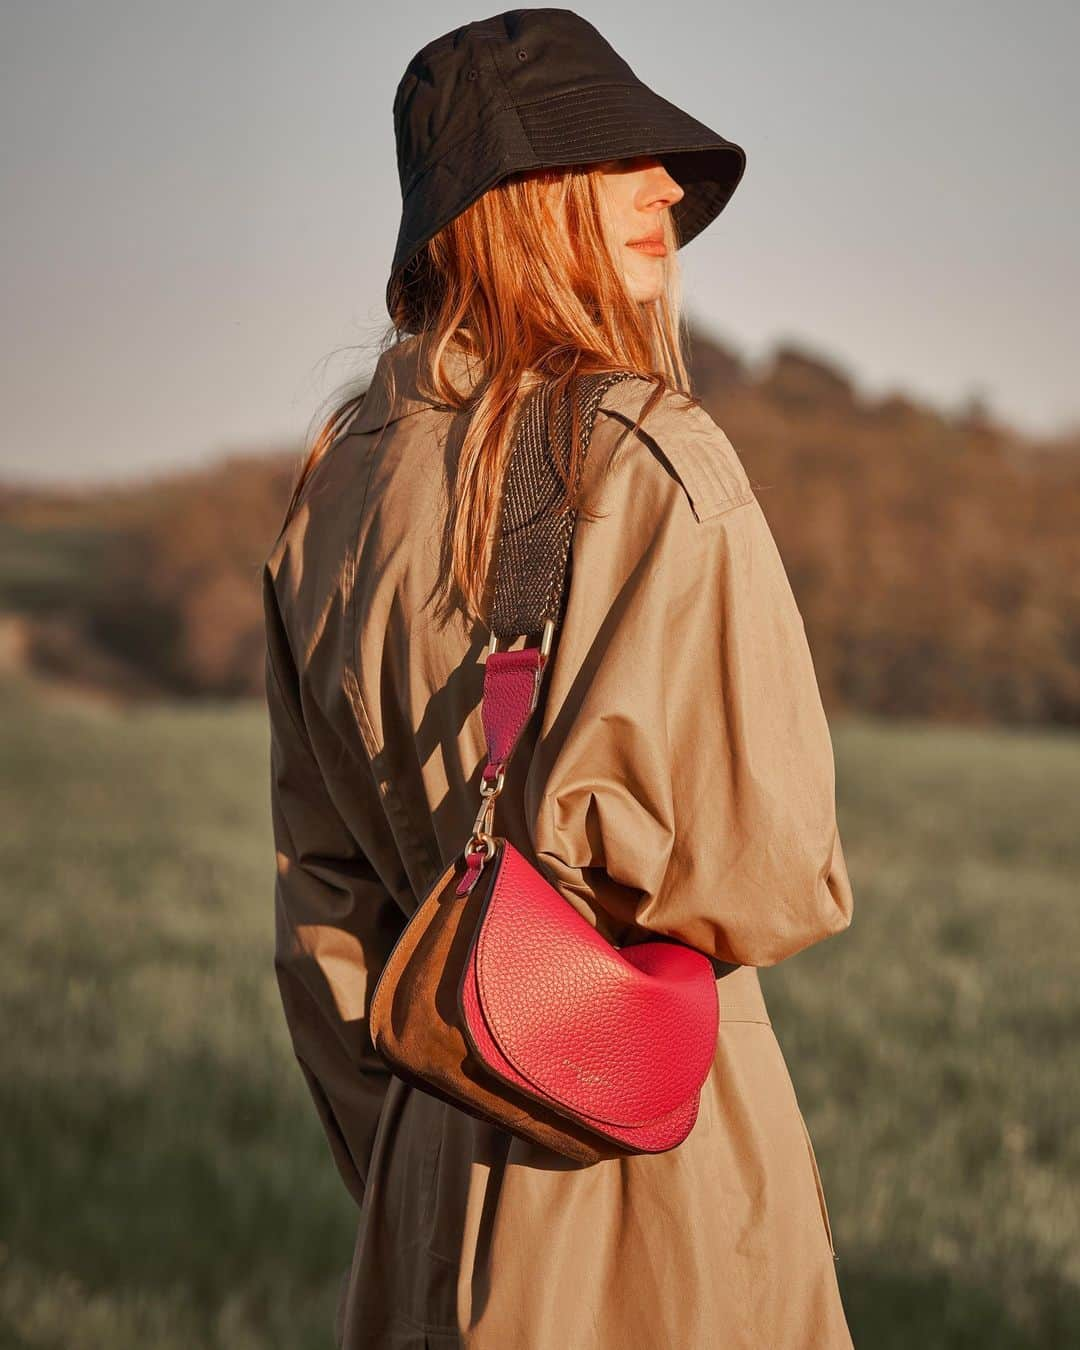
[[532, 553], [534, 536]]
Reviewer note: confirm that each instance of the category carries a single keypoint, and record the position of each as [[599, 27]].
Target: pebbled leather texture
[[416, 1024], [511, 682], [619, 1038], [655, 1136]]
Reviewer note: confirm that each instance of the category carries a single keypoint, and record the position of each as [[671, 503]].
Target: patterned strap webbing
[[534, 536]]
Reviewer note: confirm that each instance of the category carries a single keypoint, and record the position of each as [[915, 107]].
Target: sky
[[200, 202]]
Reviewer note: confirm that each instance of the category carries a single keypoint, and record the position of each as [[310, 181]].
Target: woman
[[679, 779]]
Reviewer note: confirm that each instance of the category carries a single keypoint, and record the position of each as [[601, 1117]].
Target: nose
[[658, 190]]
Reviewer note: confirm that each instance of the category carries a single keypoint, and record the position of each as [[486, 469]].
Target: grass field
[[163, 1179]]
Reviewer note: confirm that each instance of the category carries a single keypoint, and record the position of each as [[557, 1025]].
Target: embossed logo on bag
[[586, 1075]]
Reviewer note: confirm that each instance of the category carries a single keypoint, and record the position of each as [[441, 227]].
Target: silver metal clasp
[[481, 830], [547, 637]]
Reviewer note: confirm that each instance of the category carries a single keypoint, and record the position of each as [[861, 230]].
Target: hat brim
[[579, 126], [631, 121]]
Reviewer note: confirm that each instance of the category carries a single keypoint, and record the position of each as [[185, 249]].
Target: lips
[[651, 244]]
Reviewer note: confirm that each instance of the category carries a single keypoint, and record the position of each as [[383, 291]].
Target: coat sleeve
[[335, 924], [683, 781]]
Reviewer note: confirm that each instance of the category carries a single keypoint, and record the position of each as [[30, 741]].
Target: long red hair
[[524, 280]]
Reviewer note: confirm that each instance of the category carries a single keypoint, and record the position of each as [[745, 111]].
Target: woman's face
[[636, 193]]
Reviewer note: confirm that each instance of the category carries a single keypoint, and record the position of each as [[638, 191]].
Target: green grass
[[163, 1178], [933, 1045]]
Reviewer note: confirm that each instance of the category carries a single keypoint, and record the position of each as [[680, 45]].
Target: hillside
[[934, 555]]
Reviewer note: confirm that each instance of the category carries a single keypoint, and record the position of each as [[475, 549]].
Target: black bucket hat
[[534, 89]]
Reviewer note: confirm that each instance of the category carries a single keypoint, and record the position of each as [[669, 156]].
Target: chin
[[644, 290]]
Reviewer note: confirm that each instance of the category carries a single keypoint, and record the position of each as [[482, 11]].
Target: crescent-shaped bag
[[499, 996]]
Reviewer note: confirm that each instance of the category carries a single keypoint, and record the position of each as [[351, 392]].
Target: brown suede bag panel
[[417, 1026]]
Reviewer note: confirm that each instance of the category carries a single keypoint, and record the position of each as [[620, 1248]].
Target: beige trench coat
[[679, 776]]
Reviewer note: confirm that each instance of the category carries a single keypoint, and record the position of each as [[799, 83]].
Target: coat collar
[[401, 385]]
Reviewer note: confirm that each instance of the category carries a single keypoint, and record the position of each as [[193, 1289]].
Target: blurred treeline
[[935, 555]]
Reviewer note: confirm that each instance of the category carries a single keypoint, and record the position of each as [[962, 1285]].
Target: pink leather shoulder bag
[[499, 996]]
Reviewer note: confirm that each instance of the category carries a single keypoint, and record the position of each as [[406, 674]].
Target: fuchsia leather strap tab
[[474, 865], [511, 686], [511, 691]]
